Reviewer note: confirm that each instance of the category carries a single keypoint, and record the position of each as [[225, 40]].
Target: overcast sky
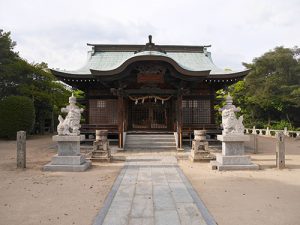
[[56, 31]]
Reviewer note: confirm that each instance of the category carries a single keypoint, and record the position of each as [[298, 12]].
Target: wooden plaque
[[150, 78]]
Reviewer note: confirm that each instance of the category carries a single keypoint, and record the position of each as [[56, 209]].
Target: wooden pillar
[[280, 150], [87, 108], [21, 149], [212, 103], [120, 120], [179, 120]]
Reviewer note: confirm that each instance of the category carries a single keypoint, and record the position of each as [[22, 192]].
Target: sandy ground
[[268, 196], [31, 196]]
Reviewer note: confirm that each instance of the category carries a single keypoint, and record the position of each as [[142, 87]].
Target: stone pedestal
[[232, 157], [68, 158], [101, 151], [200, 149]]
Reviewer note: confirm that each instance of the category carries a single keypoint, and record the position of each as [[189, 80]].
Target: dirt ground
[[31, 196], [268, 196]]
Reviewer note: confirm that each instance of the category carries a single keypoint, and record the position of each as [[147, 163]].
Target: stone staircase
[[157, 142]]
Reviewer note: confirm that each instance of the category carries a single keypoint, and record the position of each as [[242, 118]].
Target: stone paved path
[[153, 190]]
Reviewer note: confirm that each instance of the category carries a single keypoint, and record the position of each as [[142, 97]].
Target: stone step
[[100, 151], [150, 141], [150, 146], [100, 154], [149, 138], [162, 142]]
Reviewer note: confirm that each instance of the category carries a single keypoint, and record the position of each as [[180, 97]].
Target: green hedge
[[16, 113]]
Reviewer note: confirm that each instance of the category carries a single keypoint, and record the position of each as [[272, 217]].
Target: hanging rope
[[142, 99]]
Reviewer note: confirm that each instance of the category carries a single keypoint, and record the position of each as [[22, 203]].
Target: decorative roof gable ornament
[[150, 46]]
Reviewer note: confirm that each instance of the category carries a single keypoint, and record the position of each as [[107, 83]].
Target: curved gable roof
[[187, 62]]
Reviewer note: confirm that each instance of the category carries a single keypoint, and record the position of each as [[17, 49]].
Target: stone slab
[[180, 193], [70, 148], [67, 168], [215, 165], [234, 159], [233, 148], [143, 221], [142, 206], [68, 160], [167, 217], [233, 138], [153, 193], [197, 156], [58, 138], [189, 214]]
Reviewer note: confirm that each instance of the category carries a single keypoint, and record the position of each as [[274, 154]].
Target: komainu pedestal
[[233, 156], [101, 151], [200, 149], [68, 158]]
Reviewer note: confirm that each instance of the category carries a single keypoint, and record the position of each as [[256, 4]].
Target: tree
[[16, 113], [18, 77], [270, 93]]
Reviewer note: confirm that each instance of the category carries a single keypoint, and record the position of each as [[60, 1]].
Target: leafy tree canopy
[[270, 94], [18, 77]]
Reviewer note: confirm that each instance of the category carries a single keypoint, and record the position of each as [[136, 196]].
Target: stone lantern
[[200, 149]]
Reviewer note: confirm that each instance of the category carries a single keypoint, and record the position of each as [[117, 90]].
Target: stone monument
[[200, 149], [101, 151], [68, 139], [233, 138]]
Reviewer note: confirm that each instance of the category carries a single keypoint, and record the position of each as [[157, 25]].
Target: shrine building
[[149, 88]]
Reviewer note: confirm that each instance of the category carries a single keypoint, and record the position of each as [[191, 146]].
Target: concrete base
[[68, 158], [67, 168], [68, 145], [197, 156], [180, 149], [233, 159], [217, 166]]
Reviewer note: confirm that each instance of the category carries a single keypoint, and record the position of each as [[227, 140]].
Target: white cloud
[[57, 31]]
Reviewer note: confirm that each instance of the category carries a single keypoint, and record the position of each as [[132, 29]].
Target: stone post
[[254, 130], [255, 144], [285, 131], [21, 149], [280, 150]]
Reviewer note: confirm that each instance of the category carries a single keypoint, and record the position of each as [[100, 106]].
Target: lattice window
[[103, 111], [196, 111], [101, 103]]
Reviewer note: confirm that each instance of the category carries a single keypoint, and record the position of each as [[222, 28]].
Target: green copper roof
[[105, 61], [114, 60]]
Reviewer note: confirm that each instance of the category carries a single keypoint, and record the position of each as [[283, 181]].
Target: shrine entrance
[[149, 115]]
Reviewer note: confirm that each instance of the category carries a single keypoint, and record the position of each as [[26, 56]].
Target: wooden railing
[[272, 133]]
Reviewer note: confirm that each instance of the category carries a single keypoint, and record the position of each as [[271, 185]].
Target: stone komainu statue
[[71, 124], [232, 125]]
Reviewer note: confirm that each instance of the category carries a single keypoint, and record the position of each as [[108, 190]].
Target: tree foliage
[[18, 77], [270, 94], [16, 113]]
